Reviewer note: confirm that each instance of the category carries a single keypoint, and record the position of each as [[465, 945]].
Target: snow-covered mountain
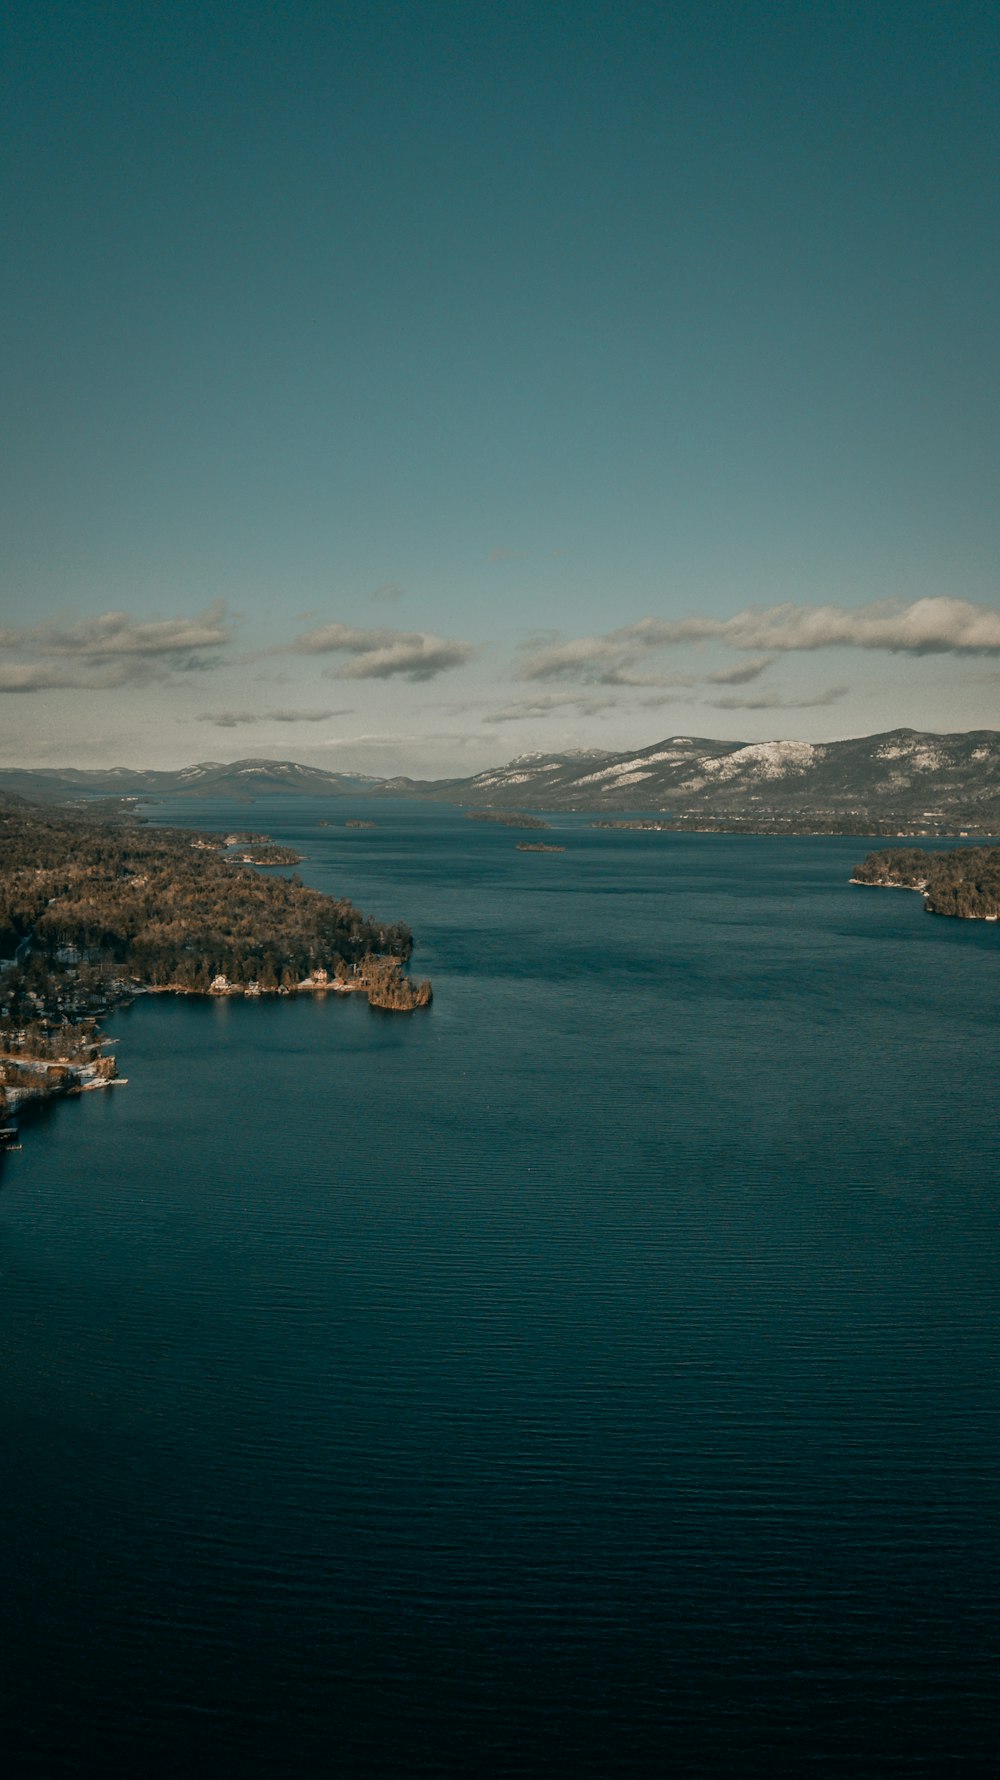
[[903, 773], [210, 778]]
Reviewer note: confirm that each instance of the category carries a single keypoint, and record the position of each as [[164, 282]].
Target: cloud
[[773, 701], [529, 710], [624, 676], [399, 740], [925, 627], [46, 676], [233, 719], [931, 626], [380, 654], [657, 701], [740, 673], [603, 661], [115, 633], [417, 658], [389, 590], [657, 633], [112, 651], [583, 658]]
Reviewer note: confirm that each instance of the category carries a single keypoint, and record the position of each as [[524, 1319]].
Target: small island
[[538, 847], [358, 822], [964, 883], [505, 818]]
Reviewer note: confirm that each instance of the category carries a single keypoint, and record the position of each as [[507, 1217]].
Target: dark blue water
[[594, 1375]]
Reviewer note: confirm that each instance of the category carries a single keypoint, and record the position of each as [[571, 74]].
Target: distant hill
[[903, 775], [211, 778]]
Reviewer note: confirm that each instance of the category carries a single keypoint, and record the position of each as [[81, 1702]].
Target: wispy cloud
[[380, 654], [626, 676], [741, 673], [401, 742], [46, 676], [415, 658], [112, 650], [115, 633], [936, 626], [528, 710], [583, 658], [389, 590], [598, 661], [235, 719], [930, 626], [775, 701]]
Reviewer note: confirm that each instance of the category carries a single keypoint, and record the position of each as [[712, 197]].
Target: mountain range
[[210, 778], [903, 775]]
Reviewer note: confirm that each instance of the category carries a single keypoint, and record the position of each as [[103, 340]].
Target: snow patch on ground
[[502, 778], [631, 778], [923, 757], [675, 757], [620, 771], [764, 760]]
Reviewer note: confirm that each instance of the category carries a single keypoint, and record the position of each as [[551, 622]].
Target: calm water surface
[[595, 1375]]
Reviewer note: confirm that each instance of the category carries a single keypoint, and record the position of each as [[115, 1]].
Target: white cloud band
[[380, 654], [924, 627]]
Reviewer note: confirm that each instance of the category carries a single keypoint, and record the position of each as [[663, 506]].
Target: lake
[[595, 1373]]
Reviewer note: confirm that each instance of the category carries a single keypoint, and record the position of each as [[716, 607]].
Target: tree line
[[160, 905], [964, 882]]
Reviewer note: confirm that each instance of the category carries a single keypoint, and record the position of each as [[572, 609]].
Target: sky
[[403, 387]]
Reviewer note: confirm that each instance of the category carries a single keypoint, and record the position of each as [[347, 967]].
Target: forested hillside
[[965, 882], [165, 907]]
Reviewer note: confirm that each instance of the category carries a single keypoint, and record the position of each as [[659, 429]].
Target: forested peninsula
[[964, 883], [95, 912]]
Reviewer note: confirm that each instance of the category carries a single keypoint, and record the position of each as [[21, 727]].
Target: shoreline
[[935, 890], [96, 914], [51, 1079], [888, 884]]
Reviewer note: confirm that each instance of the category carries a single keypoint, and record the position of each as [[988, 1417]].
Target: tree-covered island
[[92, 913], [965, 882], [505, 818]]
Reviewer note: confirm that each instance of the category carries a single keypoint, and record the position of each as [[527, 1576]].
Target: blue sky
[[401, 387]]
